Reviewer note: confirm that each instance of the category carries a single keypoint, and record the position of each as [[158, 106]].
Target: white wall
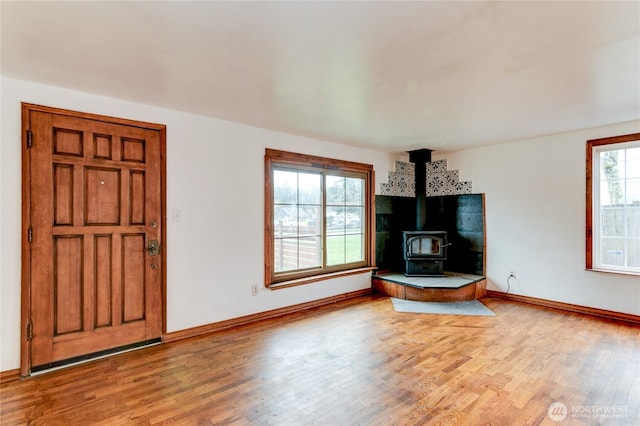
[[535, 218], [534, 193], [214, 176]]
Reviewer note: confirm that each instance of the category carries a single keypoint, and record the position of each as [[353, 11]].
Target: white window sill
[[615, 271]]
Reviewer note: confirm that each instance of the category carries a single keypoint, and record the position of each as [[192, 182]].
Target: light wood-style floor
[[357, 362]]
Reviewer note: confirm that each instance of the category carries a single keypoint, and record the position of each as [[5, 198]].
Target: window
[[613, 204], [317, 217]]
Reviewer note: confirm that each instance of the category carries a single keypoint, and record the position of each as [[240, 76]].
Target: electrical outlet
[[254, 290]]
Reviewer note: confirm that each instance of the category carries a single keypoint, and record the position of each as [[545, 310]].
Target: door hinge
[[29, 333], [30, 234], [29, 139]]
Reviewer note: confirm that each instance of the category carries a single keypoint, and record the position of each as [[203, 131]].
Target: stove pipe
[[420, 157]]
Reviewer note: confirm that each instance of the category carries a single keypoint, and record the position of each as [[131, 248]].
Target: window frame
[[274, 159], [591, 217]]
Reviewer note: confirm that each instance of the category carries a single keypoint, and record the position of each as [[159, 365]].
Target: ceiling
[[391, 76]]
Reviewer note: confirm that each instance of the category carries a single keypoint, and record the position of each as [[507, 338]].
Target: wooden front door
[[93, 206]]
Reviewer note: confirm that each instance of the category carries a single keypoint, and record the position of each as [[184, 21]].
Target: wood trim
[[464, 293], [272, 157], [25, 281], [596, 312], [96, 117], [248, 319], [163, 223], [316, 278], [615, 139], [314, 161], [481, 288], [589, 188], [467, 292], [268, 220], [589, 207], [9, 375]]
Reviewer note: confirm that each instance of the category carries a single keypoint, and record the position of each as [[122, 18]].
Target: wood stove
[[424, 253]]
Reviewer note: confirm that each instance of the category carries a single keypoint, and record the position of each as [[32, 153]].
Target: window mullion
[[323, 209], [597, 209], [625, 212], [298, 221]]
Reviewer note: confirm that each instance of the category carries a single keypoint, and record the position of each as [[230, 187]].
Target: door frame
[[25, 297]]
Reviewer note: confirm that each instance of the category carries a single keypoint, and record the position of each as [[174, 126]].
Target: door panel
[[67, 284], [102, 192], [102, 247], [133, 277], [96, 200]]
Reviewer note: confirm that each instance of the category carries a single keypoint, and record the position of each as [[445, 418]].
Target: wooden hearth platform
[[453, 287]]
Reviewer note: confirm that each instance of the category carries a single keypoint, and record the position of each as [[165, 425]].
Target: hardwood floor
[[357, 362]]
